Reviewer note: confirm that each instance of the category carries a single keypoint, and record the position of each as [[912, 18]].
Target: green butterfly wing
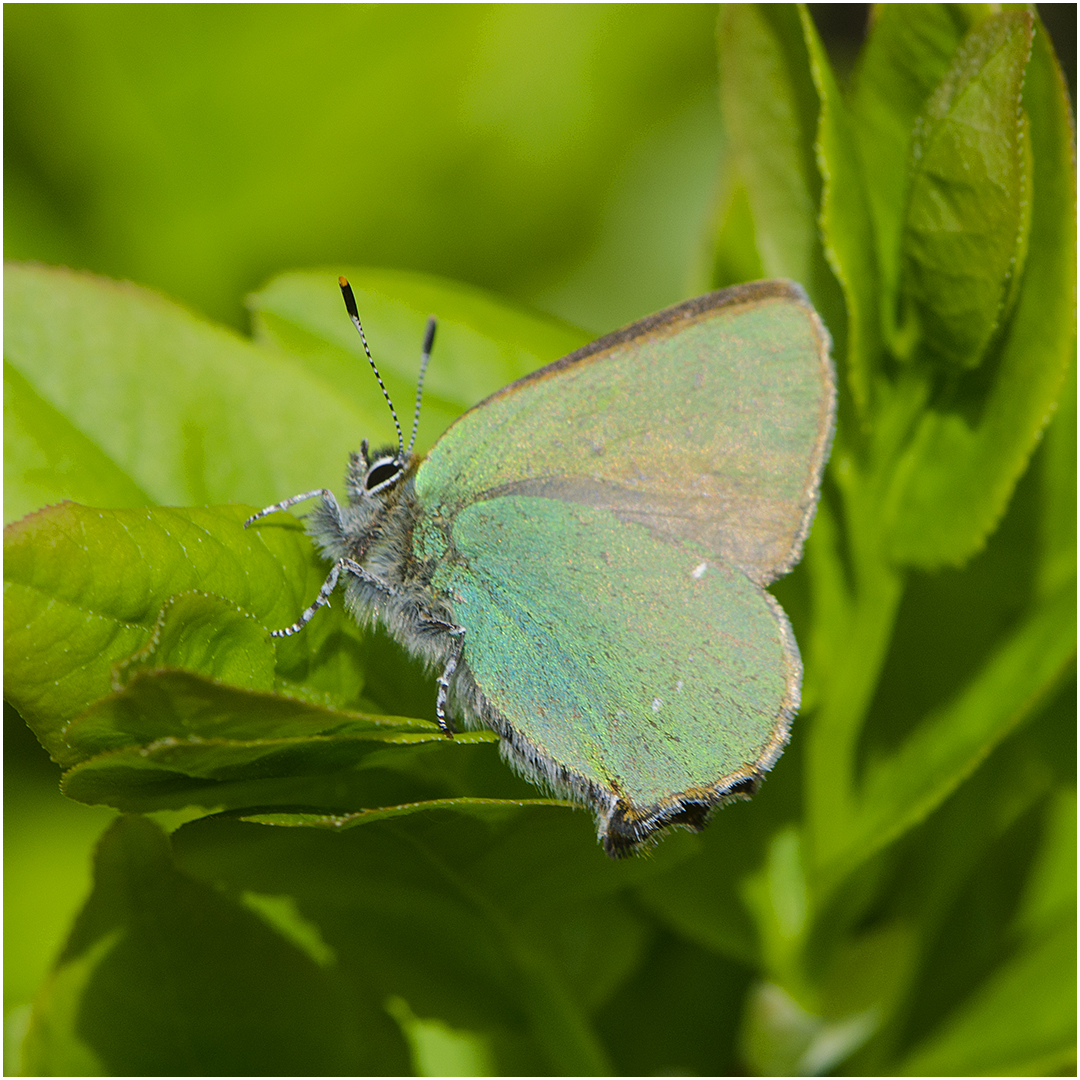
[[602, 530], [710, 422], [638, 667]]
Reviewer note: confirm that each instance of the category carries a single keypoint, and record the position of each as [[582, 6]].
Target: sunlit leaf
[[85, 590], [189, 412], [844, 219], [48, 459], [905, 56], [969, 189], [771, 114], [973, 442]]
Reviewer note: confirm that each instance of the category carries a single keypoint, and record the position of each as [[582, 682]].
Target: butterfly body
[[582, 556], [375, 532]]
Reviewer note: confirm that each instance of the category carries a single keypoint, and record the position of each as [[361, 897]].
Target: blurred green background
[[562, 155], [566, 157]]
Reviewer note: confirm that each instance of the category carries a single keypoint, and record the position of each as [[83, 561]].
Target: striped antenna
[[429, 340], [350, 306]]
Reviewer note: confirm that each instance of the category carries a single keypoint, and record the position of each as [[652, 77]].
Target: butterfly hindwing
[[624, 664]]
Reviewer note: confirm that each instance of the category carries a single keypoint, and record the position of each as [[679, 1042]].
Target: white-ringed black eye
[[381, 474]]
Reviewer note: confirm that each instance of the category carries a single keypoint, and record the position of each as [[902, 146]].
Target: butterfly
[[582, 557]]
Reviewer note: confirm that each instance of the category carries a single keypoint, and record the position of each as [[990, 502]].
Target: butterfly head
[[372, 473]]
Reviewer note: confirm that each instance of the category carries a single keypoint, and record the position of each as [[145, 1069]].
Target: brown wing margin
[[736, 296]]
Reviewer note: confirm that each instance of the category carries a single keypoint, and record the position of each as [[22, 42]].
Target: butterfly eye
[[381, 474]]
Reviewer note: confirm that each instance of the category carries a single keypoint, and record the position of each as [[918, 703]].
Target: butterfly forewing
[[708, 423]]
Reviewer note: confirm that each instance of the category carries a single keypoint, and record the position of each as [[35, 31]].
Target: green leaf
[[1057, 560], [735, 255], [1015, 778], [526, 898], [440, 1050], [1022, 1021], [169, 705], [215, 774], [769, 106], [968, 189], [171, 739], [940, 632], [201, 632], [1018, 676], [164, 975], [955, 881], [481, 808], [85, 591], [971, 444], [771, 115], [190, 413], [322, 782], [1050, 889], [906, 55], [844, 218], [48, 459], [857, 596]]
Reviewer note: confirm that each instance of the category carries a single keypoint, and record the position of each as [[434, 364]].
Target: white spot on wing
[[656, 703], [699, 571]]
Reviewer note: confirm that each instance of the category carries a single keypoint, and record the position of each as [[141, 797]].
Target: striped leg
[[443, 682], [367, 577], [322, 600], [327, 497], [328, 586]]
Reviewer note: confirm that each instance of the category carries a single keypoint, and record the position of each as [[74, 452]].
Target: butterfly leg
[[327, 497], [457, 633], [443, 682], [328, 586], [330, 504], [323, 599], [367, 577]]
